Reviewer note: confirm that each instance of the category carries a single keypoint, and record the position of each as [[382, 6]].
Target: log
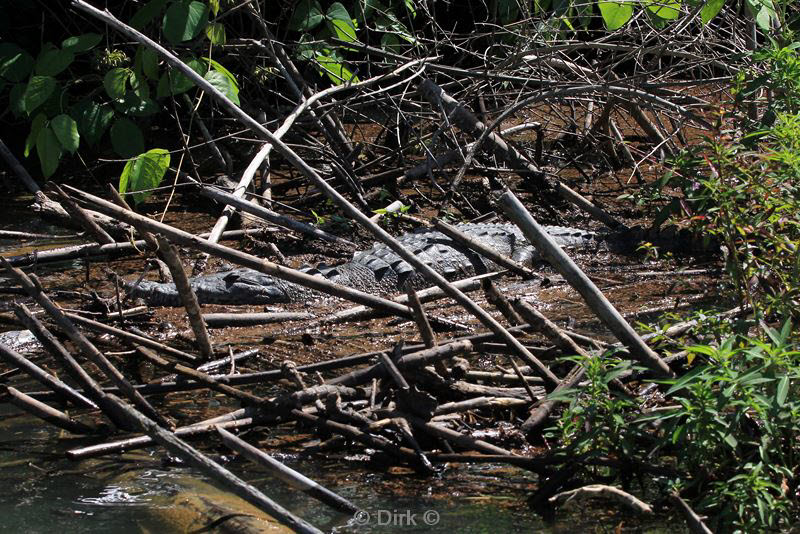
[[222, 320], [62, 390], [286, 474], [44, 412], [170, 256], [578, 280]]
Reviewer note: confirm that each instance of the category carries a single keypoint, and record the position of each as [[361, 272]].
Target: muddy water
[[137, 491]]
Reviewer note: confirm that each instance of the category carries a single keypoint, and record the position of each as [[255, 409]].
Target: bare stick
[[468, 122], [599, 490], [22, 173], [83, 218], [85, 346], [221, 320], [93, 249], [200, 377], [694, 521], [140, 442], [45, 412], [133, 338], [189, 299], [267, 214], [287, 474], [64, 391], [424, 327], [419, 358], [90, 388], [360, 313], [577, 279]]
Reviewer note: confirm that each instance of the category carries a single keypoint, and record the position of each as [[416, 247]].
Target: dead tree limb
[[577, 279], [288, 475]]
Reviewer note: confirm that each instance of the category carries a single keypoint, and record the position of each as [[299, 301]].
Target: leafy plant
[[319, 27], [740, 188], [735, 428], [50, 90], [144, 173], [595, 420]]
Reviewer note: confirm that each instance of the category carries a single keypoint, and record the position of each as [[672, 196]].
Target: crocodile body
[[378, 270]]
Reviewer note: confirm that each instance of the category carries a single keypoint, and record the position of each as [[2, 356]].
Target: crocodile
[[378, 270]]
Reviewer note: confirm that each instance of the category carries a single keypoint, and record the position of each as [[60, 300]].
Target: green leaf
[[52, 62], [223, 85], [147, 13], [150, 63], [115, 81], [66, 130], [49, 150], [134, 105], [144, 172], [184, 20], [615, 14], [16, 99], [782, 391], [139, 85], [219, 68], [126, 138], [214, 5], [15, 63], [81, 43], [335, 70], [710, 10], [36, 126], [174, 83], [665, 9], [92, 119], [307, 16], [37, 92], [216, 33], [341, 22]]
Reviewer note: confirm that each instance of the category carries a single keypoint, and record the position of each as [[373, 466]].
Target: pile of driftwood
[[413, 402]]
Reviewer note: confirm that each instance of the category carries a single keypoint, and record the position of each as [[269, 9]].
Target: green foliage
[[736, 428], [615, 14], [729, 430], [596, 420], [319, 27], [126, 138], [184, 20], [740, 188], [126, 92], [144, 173]]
